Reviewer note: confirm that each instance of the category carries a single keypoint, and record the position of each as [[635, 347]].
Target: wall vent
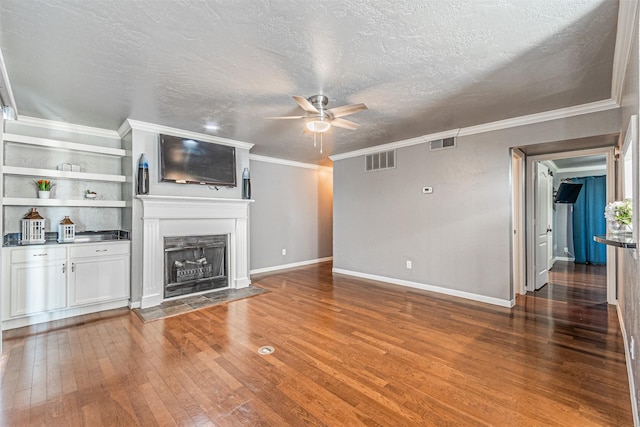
[[380, 161], [442, 144]]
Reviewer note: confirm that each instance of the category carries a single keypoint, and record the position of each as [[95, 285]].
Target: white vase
[[43, 194]]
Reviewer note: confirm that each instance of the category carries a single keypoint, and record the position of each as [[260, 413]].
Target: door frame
[[518, 248], [530, 206]]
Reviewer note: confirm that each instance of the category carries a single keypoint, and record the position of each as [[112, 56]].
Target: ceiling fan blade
[[305, 104], [345, 110], [347, 124], [286, 117]]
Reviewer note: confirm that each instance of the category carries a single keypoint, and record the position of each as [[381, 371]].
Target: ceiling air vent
[[380, 161], [441, 144]]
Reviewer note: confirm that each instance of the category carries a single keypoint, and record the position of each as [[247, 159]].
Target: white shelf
[[51, 173], [63, 145], [26, 201]]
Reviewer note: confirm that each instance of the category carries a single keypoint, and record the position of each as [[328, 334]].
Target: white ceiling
[[421, 66]]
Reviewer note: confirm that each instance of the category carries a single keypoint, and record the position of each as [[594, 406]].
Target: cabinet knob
[[101, 250], [64, 268], [73, 267], [44, 254]]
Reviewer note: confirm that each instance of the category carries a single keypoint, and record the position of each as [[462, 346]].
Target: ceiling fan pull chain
[[320, 143]]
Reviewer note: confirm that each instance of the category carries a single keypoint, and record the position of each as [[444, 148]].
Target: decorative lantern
[[33, 227], [66, 230]]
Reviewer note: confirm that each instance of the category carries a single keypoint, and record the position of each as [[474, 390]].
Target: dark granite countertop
[[13, 239]]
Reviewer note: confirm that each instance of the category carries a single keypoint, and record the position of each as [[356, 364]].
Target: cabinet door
[[37, 287], [94, 280]]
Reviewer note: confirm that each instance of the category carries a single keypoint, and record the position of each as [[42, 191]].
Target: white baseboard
[[438, 289], [292, 265], [627, 355], [564, 258]]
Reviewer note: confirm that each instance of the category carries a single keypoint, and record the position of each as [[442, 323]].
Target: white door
[[543, 224], [549, 198]]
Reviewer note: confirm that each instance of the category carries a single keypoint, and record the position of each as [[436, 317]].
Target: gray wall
[[628, 268], [292, 211], [459, 237]]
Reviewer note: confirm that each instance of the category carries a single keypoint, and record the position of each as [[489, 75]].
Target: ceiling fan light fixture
[[318, 125]]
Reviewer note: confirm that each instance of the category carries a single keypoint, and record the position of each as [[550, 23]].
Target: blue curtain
[[588, 220]]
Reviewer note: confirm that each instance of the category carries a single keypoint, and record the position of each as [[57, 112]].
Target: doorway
[[541, 253]]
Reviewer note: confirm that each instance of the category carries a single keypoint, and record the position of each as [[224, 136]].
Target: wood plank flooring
[[348, 352]]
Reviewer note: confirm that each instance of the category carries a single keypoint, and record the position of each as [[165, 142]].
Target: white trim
[[431, 288], [292, 265], [564, 258], [627, 356], [265, 159], [562, 113], [627, 13], [68, 127], [582, 169], [150, 127], [5, 86], [134, 304], [395, 145], [48, 316]]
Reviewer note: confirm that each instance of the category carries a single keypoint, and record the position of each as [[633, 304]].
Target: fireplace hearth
[[195, 264]]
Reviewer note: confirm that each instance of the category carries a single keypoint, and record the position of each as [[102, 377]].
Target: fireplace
[[165, 217], [195, 264]]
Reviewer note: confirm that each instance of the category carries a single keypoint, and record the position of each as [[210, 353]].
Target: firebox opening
[[194, 264]]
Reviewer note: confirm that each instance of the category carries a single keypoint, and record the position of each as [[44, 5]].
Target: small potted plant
[[44, 188], [90, 194]]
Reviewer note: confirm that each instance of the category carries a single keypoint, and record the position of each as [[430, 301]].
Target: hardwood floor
[[347, 352]]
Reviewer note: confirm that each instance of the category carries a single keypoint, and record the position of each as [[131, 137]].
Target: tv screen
[[185, 160], [568, 192]]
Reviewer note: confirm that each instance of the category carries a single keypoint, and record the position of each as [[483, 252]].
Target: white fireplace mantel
[[170, 216]]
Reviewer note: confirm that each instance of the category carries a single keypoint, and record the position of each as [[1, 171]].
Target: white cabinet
[[98, 273], [47, 282], [37, 280]]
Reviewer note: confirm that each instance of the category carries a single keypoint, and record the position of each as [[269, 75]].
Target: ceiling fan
[[319, 118]]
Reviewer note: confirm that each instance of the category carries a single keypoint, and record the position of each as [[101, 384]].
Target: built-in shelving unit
[[27, 201], [50, 173], [63, 145], [72, 147]]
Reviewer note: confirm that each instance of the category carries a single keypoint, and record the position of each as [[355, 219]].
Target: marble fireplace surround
[[189, 216]]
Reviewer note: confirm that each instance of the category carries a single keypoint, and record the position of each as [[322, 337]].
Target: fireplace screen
[[194, 264]]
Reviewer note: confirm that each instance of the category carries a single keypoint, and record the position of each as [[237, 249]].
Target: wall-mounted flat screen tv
[[187, 161]]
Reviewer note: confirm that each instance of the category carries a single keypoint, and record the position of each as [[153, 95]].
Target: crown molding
[[562, 113], [67, 127], [394, 145], [627, 15], [130, 125], [274, 160], [602, 167]]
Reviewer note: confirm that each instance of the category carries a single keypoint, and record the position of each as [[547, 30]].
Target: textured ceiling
[[420, 66]]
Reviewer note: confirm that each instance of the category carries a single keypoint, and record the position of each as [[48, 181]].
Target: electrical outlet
[[566, 250], [409, 265], [284, 252]]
